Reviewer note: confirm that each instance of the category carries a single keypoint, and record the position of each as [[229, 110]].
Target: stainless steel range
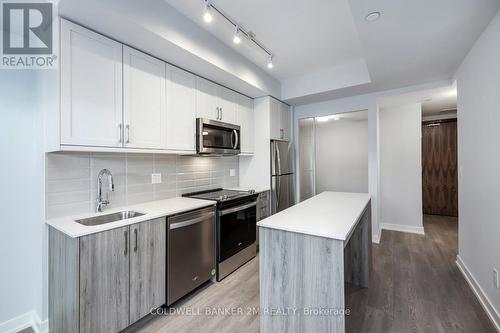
[[235, 227]]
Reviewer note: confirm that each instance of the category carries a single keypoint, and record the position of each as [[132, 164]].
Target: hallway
[[416, 285]]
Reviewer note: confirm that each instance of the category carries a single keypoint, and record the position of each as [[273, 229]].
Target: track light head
[[207, 16], [270, 62], [237, 38]]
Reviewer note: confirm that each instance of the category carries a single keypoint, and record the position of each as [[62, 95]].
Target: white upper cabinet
[[245, 115], [91, 88], [280, 120], [144, 109], [285, 121], [207, 105], [215, 102], [227, 105], [181, 109], [275, 121]]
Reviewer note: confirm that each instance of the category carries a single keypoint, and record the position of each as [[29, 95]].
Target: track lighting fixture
[[239, 31]]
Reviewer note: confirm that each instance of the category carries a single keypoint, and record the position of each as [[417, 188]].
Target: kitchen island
[[307, 254]]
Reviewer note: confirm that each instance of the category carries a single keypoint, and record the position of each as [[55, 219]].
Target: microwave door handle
[[236, 139]]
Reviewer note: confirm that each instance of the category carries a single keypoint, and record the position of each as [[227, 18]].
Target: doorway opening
[[333, 154], [418, 161]]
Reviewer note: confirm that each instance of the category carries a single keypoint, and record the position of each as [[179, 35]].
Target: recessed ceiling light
[[373, 16]]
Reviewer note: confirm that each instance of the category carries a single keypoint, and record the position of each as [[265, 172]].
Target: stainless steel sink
[[108, 218]]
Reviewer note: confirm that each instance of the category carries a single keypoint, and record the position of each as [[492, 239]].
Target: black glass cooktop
[[219, 194]]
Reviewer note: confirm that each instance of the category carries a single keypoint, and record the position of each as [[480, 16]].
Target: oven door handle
[[238, 208]]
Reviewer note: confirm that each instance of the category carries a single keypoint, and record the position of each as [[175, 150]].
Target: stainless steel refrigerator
[[282, 176]]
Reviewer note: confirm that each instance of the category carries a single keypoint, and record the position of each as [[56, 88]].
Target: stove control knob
[[251, 191]]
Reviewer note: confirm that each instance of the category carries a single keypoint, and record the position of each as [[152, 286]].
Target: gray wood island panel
[[299, 275], [307, 254]]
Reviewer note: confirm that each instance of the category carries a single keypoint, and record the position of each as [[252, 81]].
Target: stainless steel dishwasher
[[191, 251]]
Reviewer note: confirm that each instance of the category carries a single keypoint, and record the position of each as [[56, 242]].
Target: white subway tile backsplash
[[71, 178]]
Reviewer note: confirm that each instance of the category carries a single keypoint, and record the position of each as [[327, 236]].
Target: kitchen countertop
[[152, 210], [328, 214]]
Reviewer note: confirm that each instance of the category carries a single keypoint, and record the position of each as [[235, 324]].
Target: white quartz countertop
[[328, 214], [152, 210]]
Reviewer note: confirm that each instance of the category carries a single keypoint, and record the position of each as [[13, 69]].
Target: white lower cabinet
[[181, 109], [144, 107]]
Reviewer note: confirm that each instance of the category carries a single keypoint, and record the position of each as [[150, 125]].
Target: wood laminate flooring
[[415, 286]]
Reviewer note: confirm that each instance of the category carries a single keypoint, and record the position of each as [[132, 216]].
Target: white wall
[[342, 156], [401, 168], [478, 83], [23, 247]]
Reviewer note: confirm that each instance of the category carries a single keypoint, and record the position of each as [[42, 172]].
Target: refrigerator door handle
[[278, 158], [278, 191]]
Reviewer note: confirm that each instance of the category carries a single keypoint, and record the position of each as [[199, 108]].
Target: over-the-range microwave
[[217, 138]]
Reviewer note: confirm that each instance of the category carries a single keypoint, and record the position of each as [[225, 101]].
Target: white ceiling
[[434, 102], [413, 42], [304, 35]]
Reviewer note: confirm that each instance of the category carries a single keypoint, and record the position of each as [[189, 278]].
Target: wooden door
[[439, 168], [91, 88], [148, 262], [181, 109], [144, 109], [104, 281]]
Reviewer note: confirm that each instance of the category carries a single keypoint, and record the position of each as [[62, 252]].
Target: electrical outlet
[[232, 172], [496, 282], [155, 178]]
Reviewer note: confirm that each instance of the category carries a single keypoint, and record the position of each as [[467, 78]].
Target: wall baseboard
[[481, 296], [28, 319], [376, 237], [402, 228]]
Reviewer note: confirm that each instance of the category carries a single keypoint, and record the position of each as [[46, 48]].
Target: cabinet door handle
[[282, 135], [126, 243], [120, 128], [218, 113], [221, 113], [135, 235], [128, 133]]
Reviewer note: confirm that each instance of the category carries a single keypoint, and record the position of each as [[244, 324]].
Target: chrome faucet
[[100, 202]]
